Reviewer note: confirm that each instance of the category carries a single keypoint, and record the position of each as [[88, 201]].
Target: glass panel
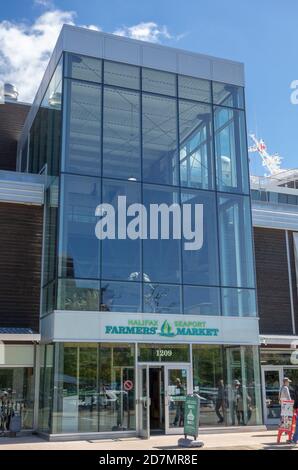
[[194, 88], [176, 394], [160, 156], [50, 232], [200, 266], [83, 68], [163, 353], [239, 303], [123, 75], [78, 294], [83, 129], [90, 390], [79, 247], [121, 258], [156, 81], [226, 94], [87, 390], [201, 300], [161, 253], [144, 389], [272, 387], [120, 296], [45, 410], [236, 253], [196, 157], [162, 298], [16, 396], [121, 134], [243, 386], [208, 381], [45, 133], [231, 150]]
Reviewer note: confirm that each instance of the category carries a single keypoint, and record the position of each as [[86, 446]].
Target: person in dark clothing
[[220, 403]]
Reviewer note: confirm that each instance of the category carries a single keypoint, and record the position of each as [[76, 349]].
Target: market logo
[[166, 330], [159, 222]]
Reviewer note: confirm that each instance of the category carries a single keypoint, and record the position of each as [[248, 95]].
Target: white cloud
[[44, 3], [25, 48], [149, 31]]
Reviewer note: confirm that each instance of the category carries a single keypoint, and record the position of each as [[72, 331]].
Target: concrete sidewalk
[[265, 440]]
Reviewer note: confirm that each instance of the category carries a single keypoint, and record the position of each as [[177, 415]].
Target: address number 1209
[[164, 353]]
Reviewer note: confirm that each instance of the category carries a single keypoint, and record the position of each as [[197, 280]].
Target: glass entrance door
[[272, 379], [177, 386], [143, 402]]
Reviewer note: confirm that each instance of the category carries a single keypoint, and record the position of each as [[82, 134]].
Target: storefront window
[[92, 395], [228, 379], [16, 396], [78, 294], [162, 298]]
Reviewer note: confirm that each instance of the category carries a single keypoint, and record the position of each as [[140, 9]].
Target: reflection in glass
[[161, 257], [194, 88], [121, 258], [83, 68], [79, 247], [239, 302], [162, 298], [90, 396], [201, 300], [160, 140], [201, 266], [156, 81], [121, 134], [196, 158], [226, 94], [235, 238], [177, 391], [123, 75], [17, 394], [83, 129], [78, 294], [243, 385], [231, 150], [120, 296]]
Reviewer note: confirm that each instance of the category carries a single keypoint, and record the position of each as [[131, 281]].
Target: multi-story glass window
[[152, 137]]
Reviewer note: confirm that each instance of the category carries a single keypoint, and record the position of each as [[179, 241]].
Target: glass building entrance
[[161, 398]]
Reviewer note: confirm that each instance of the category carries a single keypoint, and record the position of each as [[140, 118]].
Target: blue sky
[[262, 34]]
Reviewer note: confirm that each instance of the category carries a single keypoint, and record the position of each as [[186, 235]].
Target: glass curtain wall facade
[[154, 137], [112, 129]]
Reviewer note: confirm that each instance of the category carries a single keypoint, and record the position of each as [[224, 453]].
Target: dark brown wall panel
[[20, 265], [12, 118], [272, 281]]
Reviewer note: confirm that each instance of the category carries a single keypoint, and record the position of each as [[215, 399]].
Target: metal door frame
[[167, 368]]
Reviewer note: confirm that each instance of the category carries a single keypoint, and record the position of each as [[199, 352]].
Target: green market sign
[[167, 329]]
